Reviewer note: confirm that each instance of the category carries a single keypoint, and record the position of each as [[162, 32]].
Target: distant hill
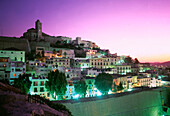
[[161, 63]]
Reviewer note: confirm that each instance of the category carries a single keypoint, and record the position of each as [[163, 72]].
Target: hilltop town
[[37, 54]]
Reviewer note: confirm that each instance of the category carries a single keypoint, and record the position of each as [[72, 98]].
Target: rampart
[[13, 42], [141, 103]]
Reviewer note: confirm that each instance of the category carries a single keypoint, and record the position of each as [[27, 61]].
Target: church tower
[[38, 28]]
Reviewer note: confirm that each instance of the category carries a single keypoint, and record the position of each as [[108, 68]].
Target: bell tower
[[38, 28]]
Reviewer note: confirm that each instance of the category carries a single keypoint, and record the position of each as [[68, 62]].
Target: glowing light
[[76, 96], [32, 93], [99, 93], [110, 92], [129, 89]]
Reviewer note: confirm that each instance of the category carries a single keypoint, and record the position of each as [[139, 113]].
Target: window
[[15, 58], [21, 52], [70, 91], [90, 82], [11, 52], [35, 83], [41, 89], [42, 83], [35, 89], [48, 94], [21, 58]]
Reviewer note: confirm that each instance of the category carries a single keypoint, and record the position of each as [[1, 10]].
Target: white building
[[93, 72], [5, 68], [129, 82], [67, 53], [123, 69], [14, 55], [70, 93], [17, 68], [84, 43], [38, 86], [37, 68], [81, 63], [155, 82]]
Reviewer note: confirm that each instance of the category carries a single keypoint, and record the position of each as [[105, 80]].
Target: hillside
[[161, 63], [13, 103]]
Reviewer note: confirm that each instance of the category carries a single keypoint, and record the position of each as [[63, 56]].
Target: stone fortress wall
[[145, 103], [13, 42]]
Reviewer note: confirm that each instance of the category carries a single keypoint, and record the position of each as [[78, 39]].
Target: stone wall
[[145, 103], [46, 45], [13, 42]]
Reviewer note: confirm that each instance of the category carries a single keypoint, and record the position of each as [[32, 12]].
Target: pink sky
[[139, 28]]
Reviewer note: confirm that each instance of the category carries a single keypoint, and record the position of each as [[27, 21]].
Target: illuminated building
[[38, 86], [58, 62], [14, 55], [107, 62], [129, 82], [143, 81], [70, 93], [90, 82], [123, 69], [82, 63], [61, 62], [84, 43], [36, 34], [37, 68], [17, 68], [120, 78], [155, 82], [40, 50], [93, 72], [144, 67], [5, 68]]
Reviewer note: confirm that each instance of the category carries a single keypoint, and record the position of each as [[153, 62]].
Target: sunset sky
[[139, 28]]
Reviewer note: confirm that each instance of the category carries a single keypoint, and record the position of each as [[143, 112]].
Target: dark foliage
[[56, 83], [23, 83], [120, 87], [81, 87], [104, 82], [128, 60]]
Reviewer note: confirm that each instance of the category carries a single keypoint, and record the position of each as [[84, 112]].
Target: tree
[[56, 84], [81, 87], [136, 61], [103, 82], [23, 83], [120, 87], [128, 60]]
